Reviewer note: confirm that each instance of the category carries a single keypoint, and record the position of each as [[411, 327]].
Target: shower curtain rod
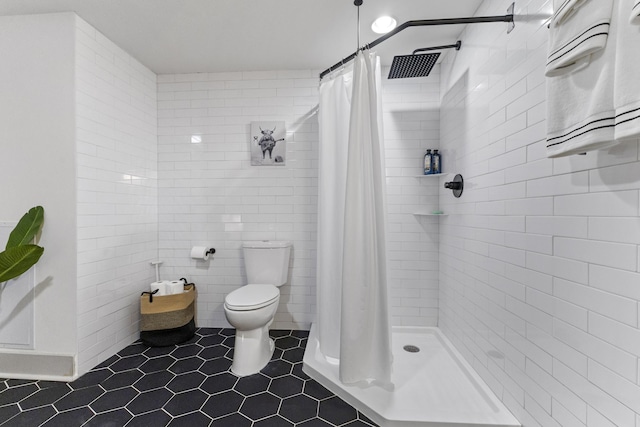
[[424, 22]]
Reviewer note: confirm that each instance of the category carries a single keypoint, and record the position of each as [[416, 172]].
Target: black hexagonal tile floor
[[215, 366], [186, 382], [235, 420], [219, 382], [159, 351], [286, 386], [157, 364], [300, 333], [356, 423], [149, 400], [229, 341], [186, 364], [298, 372], [273, 421], [279, 333], [293, 354], [211, 340], [277, 368], [75, 417], [110, 361], [194, 419], [16, 394], [79, 398], [185, 385], [119, 417], [252, 384], [314, 389], [336, 411], [286, 343], [203, 332], [133, 350], [260, 405], [114, 399], [185, 402], [277, 354], [155, 418], [94, 377], [128, 363], [44, 397], [33, 417], [154, 380], [315, 422], [223, 404], [299, 408], [213, 352], [9, 411], [181, 353], [121, 379]]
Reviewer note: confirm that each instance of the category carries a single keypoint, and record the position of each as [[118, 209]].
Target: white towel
[[578, 29], [580, 104], [635, 13], [627, 71]]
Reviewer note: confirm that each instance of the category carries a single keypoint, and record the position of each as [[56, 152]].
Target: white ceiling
[[182, 36]]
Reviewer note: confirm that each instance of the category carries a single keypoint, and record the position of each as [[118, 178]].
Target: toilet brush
[[157, 265]]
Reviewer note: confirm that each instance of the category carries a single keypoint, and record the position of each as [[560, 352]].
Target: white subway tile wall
[[211, 195], [116, 132], [539, 283]]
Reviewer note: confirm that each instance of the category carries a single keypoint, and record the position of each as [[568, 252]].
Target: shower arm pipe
[[422, 23], [448, 46]]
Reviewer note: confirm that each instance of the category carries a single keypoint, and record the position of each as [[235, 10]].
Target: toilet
[[251, 308]]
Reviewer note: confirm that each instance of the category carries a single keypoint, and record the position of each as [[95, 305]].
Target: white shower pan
[[434, 387]]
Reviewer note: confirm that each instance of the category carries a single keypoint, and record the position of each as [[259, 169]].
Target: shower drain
[[411, 348]]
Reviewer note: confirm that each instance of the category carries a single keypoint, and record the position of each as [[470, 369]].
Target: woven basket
[[169, 319]]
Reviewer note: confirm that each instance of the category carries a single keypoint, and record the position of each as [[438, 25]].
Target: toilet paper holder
[[202, 253]]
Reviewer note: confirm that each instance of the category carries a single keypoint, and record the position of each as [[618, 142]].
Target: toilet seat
[[251, 297]]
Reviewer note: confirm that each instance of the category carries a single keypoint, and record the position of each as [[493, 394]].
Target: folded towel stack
[[635, 13], [579, 28], [580, 113], [593, 97], [627, 76]]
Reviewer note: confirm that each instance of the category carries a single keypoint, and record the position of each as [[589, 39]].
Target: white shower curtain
[[353, 319]]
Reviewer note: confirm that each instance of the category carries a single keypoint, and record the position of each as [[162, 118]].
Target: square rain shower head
[[405, 66]]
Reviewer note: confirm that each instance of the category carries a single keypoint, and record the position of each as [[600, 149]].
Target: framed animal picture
[[268, 145]]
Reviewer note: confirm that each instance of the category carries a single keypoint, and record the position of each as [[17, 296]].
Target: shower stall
[[400, 376]]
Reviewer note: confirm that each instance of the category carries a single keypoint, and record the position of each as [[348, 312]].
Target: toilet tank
[[267, 261]]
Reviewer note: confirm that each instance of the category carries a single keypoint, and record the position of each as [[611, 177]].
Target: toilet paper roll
[[175, 287], [200, 252], [160, 286]]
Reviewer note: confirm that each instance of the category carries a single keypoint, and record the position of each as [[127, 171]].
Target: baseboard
[[29, 365]]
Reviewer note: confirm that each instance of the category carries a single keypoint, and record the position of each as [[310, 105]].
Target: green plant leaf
[[28, 226], [15, 261]]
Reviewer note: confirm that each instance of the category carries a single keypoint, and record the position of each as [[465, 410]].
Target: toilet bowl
[[251, 314], [251, 308]]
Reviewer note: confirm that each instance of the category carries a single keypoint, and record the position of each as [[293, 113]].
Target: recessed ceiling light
[[383, 25]]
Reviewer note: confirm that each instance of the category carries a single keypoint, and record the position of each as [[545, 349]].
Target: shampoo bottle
[[436, 162], [428, 162]]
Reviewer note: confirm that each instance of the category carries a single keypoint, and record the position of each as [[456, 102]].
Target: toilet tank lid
[[266, 244]]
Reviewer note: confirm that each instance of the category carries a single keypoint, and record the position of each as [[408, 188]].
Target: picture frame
[[268, 144]]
